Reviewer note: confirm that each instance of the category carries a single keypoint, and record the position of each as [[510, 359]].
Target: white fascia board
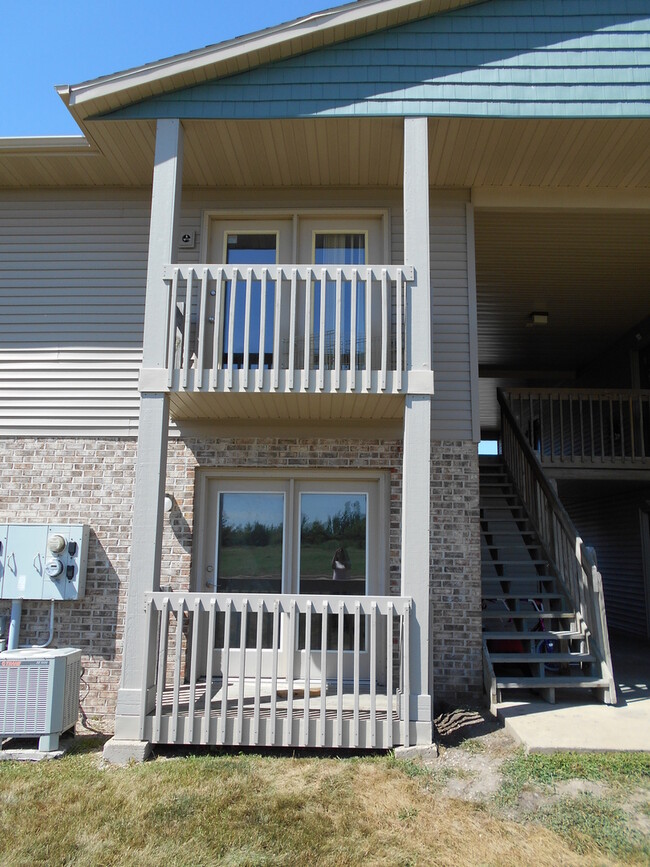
[[60, 144], [350, 13]]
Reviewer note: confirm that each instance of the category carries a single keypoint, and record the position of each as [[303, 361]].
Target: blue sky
[[51, 42]]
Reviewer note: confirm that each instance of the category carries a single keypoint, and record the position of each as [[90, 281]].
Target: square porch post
[[417, 426], [151, 461]]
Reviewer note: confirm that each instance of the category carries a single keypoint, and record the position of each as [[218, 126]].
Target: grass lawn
[[262, 810]]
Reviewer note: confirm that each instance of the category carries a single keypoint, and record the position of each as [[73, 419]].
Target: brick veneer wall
[[455, 566], [186, 456], [91, 481], [78, 481]]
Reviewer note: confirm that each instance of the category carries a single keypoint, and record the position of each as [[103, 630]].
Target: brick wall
[[78, 481], [91, 481], [187, 456], [456, 573]]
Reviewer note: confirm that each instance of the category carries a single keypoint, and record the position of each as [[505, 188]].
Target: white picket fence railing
[[584, 426], [287, 328], [201, 689]]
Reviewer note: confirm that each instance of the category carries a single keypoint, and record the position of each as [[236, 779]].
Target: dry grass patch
[[252, 810]]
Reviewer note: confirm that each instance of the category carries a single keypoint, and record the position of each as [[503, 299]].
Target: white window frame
[[259, 216]]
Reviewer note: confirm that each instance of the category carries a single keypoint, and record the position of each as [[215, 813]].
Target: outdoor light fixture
[[168, 503], [537, 318]]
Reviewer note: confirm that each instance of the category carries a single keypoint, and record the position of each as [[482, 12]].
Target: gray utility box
[[43, 561], [39, 694]]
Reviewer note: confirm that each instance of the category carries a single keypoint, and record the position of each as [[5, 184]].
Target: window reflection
[[250, 249], [334, 248], [333, 559], [249, 557]]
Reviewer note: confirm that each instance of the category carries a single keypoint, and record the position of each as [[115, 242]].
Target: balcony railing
[[585, 427], [287, 328], [233, 669]]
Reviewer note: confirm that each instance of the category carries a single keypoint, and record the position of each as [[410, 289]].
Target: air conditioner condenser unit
[[39, 694]]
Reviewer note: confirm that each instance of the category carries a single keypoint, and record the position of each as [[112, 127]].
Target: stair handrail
[[574, 561]]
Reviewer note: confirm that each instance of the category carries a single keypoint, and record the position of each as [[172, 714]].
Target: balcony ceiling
[[357, 152], [589, 270]]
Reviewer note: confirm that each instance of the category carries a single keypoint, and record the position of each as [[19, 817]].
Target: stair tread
[[516, 533], [528, 615], [518, 579], [554, 681], [515, 635], [521, 562], [525, 596], [541, 657]]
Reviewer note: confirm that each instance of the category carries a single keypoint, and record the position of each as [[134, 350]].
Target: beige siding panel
[[72, 277], [452, 402]]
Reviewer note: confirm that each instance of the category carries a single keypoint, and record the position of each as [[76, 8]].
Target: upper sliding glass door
[[334, 242], [249, 242], [339, 248]]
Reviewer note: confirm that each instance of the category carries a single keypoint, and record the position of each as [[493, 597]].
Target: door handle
[[39, 567], [13, 568]]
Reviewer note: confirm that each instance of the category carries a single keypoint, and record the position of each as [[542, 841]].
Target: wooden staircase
[[534, 636]]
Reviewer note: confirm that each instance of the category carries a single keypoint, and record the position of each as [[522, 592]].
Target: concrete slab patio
[[581, 726]]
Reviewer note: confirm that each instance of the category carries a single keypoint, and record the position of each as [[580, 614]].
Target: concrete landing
[[579, 725]]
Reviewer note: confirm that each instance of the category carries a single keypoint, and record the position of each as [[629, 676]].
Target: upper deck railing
[[287, 328], [590, 427]]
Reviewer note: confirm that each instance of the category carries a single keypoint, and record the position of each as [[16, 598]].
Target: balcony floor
[[380, 730]]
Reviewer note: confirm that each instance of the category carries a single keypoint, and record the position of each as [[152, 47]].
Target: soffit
[[590, 271], [464, 152]]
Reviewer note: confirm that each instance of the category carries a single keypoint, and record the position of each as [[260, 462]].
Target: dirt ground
[[472, 747]]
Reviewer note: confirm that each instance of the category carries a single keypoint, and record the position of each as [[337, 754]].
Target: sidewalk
[[583, 726]]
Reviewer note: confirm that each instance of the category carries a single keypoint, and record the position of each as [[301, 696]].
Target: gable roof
[[112, 92], [467, 149], [504, 58]]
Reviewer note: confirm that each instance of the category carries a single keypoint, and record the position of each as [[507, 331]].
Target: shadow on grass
[[455, 727]]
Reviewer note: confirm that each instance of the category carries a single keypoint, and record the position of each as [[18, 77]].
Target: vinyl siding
[[612, 526], [506, 58], [452, 402], [72, 280], [72, 283]]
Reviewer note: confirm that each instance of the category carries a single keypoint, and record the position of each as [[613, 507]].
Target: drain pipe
[[51, 634], [14, 624]]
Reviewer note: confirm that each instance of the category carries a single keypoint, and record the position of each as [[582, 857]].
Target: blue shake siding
[[505, 58]]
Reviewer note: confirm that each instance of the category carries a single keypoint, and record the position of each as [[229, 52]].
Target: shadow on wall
[[180, 528]]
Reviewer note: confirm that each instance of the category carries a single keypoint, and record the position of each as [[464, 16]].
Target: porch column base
[[421, 733], [119, 751], [420, 720]]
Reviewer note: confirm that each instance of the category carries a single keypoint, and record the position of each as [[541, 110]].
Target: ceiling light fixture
[[537, 318]]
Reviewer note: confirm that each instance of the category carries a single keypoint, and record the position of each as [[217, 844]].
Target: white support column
[[151, 463], [416, 481]]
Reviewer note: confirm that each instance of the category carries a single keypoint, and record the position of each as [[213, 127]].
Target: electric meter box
[[43, 561]]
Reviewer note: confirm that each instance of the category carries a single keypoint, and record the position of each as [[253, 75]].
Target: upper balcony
[[271, 341]]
